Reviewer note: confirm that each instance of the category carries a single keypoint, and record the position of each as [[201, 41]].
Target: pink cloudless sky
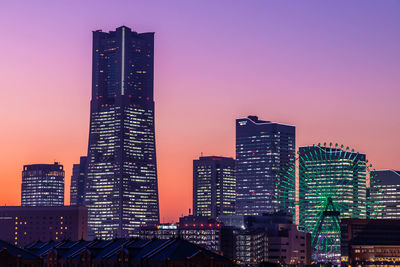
[[332, 68]]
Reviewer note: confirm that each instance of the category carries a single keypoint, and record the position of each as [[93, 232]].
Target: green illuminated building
[[332, 185]]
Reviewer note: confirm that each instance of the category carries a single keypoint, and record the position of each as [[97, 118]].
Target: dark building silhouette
[[78, 182], [262, 150], [23, 225], [386, 194], [42, 185], [11, 255], [118, 252], [214, 186], [370, 242], [121, 189]]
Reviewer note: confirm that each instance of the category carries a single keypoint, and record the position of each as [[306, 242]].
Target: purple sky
[[332, 68]]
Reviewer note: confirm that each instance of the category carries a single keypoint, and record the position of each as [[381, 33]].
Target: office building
[[199, 230], [78, 182], [370, 242], [42, 185], [263, 148], [286, 244], [385, 194], [251, 240], [23, 225], [121, 188], [159, 231], [202, 231], [249, 246], [214, 186]]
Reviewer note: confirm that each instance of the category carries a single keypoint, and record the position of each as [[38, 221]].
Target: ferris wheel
[[322, 185]]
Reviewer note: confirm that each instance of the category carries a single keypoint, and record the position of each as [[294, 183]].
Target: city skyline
[[350, 67]]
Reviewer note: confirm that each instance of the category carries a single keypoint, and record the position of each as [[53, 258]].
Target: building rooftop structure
[[388, 177], [145, 252], [256, 221]]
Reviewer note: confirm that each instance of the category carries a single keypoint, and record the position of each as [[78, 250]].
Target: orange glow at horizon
[[332, 71]]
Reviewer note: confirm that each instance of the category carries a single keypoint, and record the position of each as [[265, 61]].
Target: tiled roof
[[14, 250], [138, 250]]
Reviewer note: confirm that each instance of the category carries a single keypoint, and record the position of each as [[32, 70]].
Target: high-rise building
[[121, 188], [385, 194], [214, 186], [42, 185], [263, 148], [78, 182]]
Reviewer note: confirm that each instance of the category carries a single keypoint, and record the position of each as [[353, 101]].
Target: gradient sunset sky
[[332, 68]]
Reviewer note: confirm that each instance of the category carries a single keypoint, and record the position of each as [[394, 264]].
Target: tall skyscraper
[[386, 194], [214, 186], [262, 150], [121, 190], [42, 185], [78, 182]]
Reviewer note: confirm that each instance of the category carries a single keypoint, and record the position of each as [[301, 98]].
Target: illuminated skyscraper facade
[[214, 186], [121, 189], [42, 185], [78, 182], [263, 148], [386, 193]]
